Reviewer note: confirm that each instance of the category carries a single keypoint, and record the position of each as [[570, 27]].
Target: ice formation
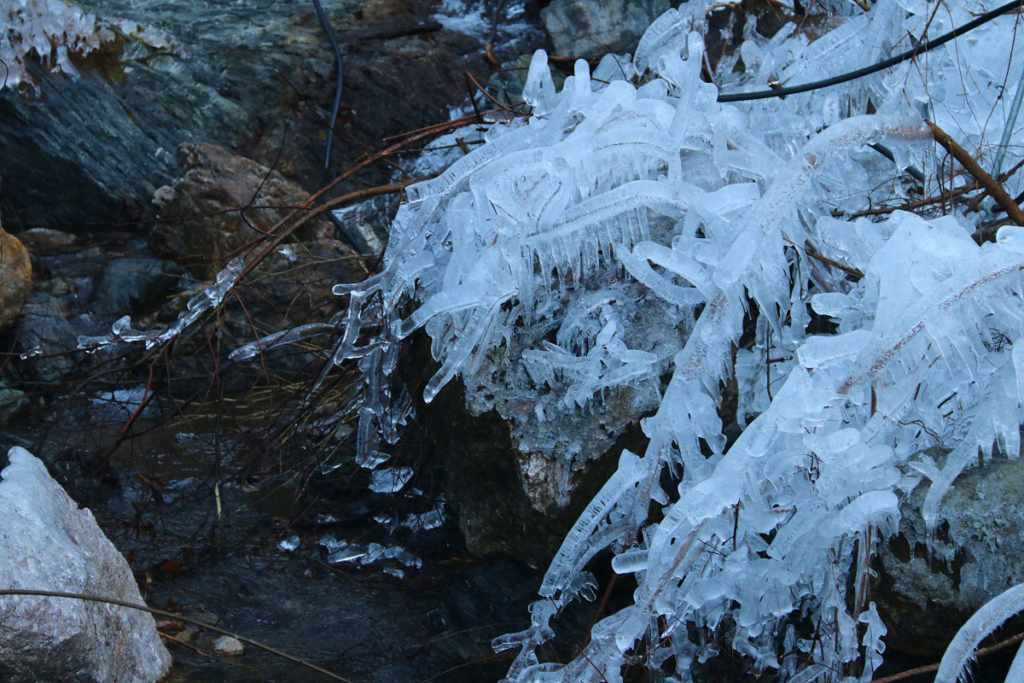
[[48, 31], [634, 182]]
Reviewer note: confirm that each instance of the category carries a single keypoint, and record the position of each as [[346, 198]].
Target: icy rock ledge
[[48, 543]]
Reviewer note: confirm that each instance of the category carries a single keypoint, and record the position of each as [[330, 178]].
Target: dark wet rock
[[256, 77], [9, 441], [514, 501], [15, 277], [488, 602], [12, 403], [591, 28], [128, 284], [366, 225], [930, 583], [48, 340], [523, 463], [50, 544]]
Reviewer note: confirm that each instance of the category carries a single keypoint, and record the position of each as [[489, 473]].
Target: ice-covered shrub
[[635, 183], [47, 31], [713, 208]]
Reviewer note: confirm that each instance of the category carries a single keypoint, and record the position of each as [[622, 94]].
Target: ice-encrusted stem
[[699, 367]]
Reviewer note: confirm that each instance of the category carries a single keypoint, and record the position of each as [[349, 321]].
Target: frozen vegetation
[[635, 174], [48, 30], [874, 336]]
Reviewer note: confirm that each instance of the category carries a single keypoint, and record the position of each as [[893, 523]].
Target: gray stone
[[43, 240], [930, 583], [48, 338], [591, 28], [228, 646], [130, 283], [48, 543]]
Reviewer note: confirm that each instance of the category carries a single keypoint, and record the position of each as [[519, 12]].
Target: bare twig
[[491, 97], [852, 272], [279, 236], [172, 615], [1002, 178], [984, 179]]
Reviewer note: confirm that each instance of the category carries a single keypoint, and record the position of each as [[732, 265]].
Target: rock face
[[15, 277], [591, 28], [48, 543], [256, 77], [222, 202], [931, 583]]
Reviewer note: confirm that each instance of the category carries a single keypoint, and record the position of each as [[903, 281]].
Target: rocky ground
[[125, 187], [124, 191]]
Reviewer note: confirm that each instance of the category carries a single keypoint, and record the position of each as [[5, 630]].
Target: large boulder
[[48, 543], [524, 458], [222, 202], [15, 277], [131, 283], [49, 337], [591, 28], [932, 580]]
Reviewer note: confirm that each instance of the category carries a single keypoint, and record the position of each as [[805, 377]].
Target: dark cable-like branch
[[919, 49], [337, 86]]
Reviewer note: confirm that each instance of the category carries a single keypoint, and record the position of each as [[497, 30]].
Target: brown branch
[[984, 179], [1003, 177], [491, 97], [278, 236], [852, 272]]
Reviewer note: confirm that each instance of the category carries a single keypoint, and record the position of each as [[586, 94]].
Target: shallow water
[[156, 501]]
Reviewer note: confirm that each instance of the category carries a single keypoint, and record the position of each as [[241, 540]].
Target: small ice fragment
[[372, 460], [332, 543], [395, 572], [289, 544], [287, 252], [32, 353], [425, 521], [374, 552], [349, 553], [408, 559], [390, 481]]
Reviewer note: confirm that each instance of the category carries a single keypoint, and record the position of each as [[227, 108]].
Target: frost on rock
[[624, 238]]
